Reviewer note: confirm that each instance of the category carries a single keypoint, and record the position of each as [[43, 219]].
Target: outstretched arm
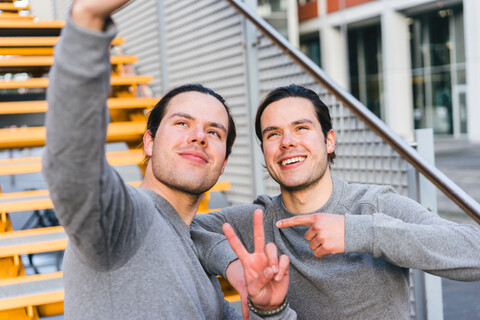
[[90, 198]]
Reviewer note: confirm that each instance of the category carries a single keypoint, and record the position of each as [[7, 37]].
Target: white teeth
[[292, 160]]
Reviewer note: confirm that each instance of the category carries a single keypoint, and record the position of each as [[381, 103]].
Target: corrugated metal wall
[[43, 9], [362, 156], [138, 25], [205, 42]]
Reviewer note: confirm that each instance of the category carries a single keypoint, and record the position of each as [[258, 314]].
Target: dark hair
[[293, 91], [158, 112]]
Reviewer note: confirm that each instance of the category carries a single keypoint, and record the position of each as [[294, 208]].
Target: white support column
[[428, 198], [397, 74], [471, 12], [292, 20], [333, 46]]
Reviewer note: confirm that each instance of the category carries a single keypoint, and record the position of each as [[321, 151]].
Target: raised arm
[[90, 198]]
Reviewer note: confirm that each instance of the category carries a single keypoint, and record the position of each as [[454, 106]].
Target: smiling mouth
[[293, 160], [195, 157]]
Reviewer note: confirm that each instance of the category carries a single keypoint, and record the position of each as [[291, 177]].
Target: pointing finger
[[303, 220]]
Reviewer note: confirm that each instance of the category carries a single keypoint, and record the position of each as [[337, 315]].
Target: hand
[[91, 14], [266, 275], [236, 277], [326, 234]]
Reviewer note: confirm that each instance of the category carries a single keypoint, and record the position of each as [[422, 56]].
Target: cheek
[[219, 148], [268, 153]]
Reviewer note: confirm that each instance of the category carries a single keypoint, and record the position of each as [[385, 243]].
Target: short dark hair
[[158, 111], [293, 91]]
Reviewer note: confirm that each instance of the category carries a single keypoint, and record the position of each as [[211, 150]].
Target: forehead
[[288, 110], [199, 105]]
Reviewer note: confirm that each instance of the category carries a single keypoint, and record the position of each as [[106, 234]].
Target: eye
[[302, 128], [215, 133], [181, 123], [271, 134]]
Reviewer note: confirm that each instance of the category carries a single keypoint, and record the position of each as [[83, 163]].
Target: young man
[[350, 245], [130, 254]]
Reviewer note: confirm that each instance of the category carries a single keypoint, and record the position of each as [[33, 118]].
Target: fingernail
[[278, 277], [267, 272], [278, 224], [275, 269]]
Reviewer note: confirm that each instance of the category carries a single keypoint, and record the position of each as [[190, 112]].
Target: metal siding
[[62, 7], [205, 44], [139, 27], [362, 156], [43, 9]]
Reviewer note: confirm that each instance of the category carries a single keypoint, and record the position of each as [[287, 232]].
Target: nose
[[199, 136], [288, 141]]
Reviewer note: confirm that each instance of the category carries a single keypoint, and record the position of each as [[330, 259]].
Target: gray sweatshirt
[[130, 255], [386, 234]]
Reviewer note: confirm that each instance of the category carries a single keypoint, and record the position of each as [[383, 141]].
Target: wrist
[[269, 310]]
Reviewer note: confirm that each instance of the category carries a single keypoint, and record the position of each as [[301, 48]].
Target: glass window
[[438, 68], [365, 66], [310, 45]]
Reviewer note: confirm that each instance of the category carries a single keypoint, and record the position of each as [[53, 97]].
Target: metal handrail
[[440, 180]]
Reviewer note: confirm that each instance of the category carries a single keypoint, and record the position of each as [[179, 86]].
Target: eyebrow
[[294, 123], [190, 117], [302, 121]]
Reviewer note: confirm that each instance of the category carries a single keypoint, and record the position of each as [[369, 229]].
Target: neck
[[185, 204], [310, 198]]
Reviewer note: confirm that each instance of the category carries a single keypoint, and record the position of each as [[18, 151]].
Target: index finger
[[303, 220], [234, 241]]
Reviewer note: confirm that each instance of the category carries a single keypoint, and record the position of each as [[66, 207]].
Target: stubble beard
[[308, 183], [183, 181]]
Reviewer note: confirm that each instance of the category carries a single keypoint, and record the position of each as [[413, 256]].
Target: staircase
[[26, 55]]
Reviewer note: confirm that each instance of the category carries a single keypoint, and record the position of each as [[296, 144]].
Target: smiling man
[[130, 254], [350, 245]]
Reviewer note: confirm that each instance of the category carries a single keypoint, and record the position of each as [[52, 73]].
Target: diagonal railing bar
[[439, 179]]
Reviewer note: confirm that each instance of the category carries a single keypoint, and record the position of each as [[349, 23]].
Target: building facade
[[414, 63]]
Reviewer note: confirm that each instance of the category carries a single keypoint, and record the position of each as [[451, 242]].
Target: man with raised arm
[[350, 245], [130, 254]]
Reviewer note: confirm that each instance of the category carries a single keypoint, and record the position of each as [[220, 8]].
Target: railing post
[[432, 285], [253, 98]]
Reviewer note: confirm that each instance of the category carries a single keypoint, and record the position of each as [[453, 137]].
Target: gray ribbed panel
[[362, 156], [43, 9], [139, 26], [61, 7], [205, 44]]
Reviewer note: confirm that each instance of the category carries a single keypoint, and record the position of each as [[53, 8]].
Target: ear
[[261, 146], [224, 164], [330, 141], [148, 143]]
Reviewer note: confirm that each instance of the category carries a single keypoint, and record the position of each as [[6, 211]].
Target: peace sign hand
[[266, 275]]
